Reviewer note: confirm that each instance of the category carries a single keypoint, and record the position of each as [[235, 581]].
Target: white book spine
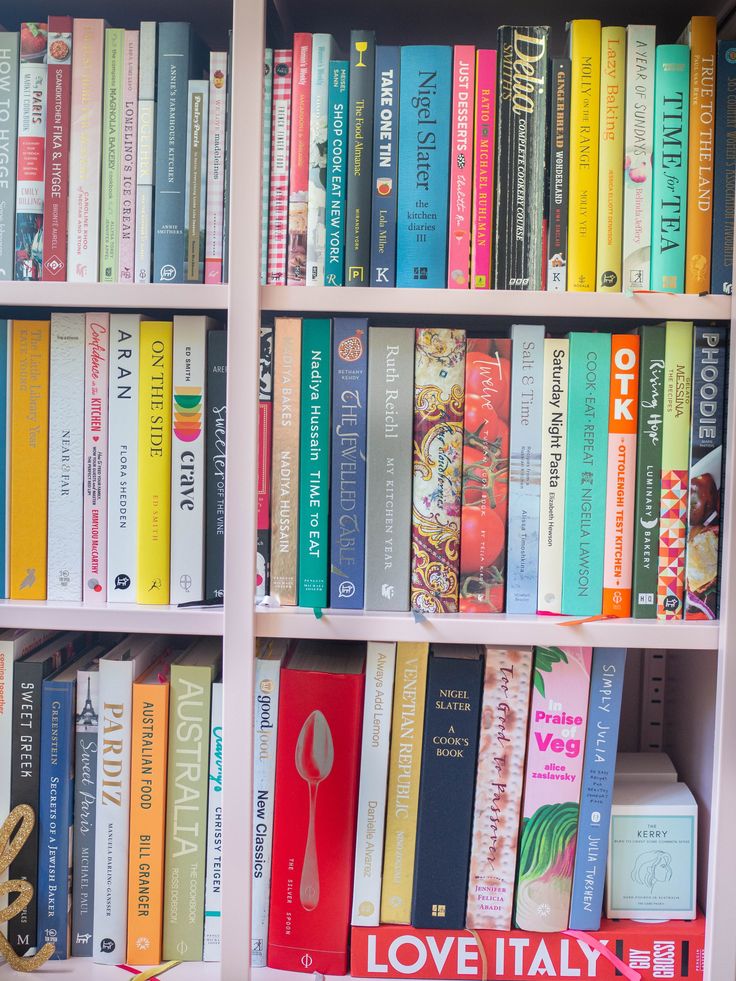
[[216, 167], [66, 457], [379, 686], [94, 555], [122, 470], [322, 48], [552, 483], [145, 151], [213, 880], [187, 459]]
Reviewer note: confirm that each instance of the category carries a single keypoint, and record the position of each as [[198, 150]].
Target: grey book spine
[[85, 812], [9, 49]]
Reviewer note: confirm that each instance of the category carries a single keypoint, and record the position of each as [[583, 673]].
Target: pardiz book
[[360, 158], [96, 373], [385, 166], [556, 386], [460, 215], [638, 140]]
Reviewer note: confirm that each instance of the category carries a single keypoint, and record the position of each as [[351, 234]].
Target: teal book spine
[[314, 465], [585, 483], [337, 115], [669, 167]]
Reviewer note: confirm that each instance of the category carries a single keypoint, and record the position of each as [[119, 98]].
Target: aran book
[[58, 134], [145, 151], [460, 215], [484, 128], [611, 160], [555, 389], [195, 185], [213, 859], [9, 69], [265, 431], [215, 447], [29, 186], [724, 170], [559, 175], [361, 77], [94, 494], [216, 165], [278, 207], [385, 166], [112, 133], [128, 153], [323, 46], [337, 154], [265, 164], [301, 87]]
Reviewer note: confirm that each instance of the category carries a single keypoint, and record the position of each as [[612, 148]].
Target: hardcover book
[[213, 860], [559, 175], [301, 87], [265, 163], [215, 197], [278, 208], [611, 156], [226, 166], [322, 52], [639, 137], [724, 171], [58, 134], [460, 214], [385, 166], [145, 151], [265, 428], [555, 388], [360, 158], [195, 186], [337, 153], [94, 495], [129, 147], [112, 133], [484, 127], [215, 447], [6, 419], [29, 186], [9, 69]]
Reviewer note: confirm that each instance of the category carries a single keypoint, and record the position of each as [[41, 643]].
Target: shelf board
[[122, 617], [109, 296], [476, 628], [83, 969], [495, 303]]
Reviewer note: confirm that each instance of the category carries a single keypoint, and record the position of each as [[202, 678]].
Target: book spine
[[301, 87], [669, 187], [559, 175], [265, 429], [122, 457], [96, 369], [216, 161], [215, 447], [85, 811], [407, 731], [66, 457], [314, 465], [639, 138], [621, 484], [145, 155], [439, 400], [8, 455], [501, 753], [460, 214], [585, 79], [154, 463], [360, 158], [724, 171], [520, 157], [484, 128], [550, 807], [29, 187], [268, 67], [347, 494], [213, 868], [129, 150], [56, 168], [188, 459], [29, 459], [586, 477], [389, 468], [554, 460], [611, 158], [195, 186], [337, 150], [591, 849], [278, 218], [673, 507], [287, 361], [525, 461], [485, 475], [705, 492], [226, 166], [385, 166], [702, 38], [112, 133], [9, 69], [322, 52], [85, 151]]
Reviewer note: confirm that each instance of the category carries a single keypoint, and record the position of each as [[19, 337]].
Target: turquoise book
[[314, 465], [669, 167], [337, 112], [4, 330], [424, 165], [585, 482]]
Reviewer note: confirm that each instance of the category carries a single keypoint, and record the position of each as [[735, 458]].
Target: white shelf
[[104, 296], [123, 617], [498, 303], [83, 969]]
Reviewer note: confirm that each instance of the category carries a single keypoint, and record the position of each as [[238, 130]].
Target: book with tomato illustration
[[439, 387], [29, 188], [485, 475], [552, 481], [461, 167]]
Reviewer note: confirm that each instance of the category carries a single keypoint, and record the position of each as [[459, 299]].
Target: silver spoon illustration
[[314, 757]]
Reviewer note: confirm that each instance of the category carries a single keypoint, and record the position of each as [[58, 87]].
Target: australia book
[[385, 166], [360, 158], [96, 375]]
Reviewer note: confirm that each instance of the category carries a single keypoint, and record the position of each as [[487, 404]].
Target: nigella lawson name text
[[422, 103]]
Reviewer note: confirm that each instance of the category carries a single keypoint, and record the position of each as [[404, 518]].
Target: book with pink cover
[[216, 167], [483, 154], [461, 167]]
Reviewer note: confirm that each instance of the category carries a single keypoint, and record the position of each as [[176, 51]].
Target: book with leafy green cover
[[112, 136]]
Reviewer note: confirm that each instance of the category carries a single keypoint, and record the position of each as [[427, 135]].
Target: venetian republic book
[[360, 158]]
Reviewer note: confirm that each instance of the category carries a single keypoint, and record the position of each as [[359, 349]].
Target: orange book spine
[[702, 36]]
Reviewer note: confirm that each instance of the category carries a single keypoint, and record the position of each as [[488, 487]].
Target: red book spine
[[58, 112], [301, 96]]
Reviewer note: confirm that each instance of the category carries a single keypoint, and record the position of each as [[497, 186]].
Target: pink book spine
[[301, 95], [485, 125], [58, 111], [279, 182], [461, 167], [216, 167], [128, 169], [97, 346]]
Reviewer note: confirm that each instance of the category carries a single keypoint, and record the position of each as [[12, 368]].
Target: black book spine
[[558, 174], [360, 159], [216, 433], [520, 157], [449, 755]]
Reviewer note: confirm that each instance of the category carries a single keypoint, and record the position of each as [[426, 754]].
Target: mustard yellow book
[[584, 41], [29, 458], [407, 727], [154, 462], [611, 160]]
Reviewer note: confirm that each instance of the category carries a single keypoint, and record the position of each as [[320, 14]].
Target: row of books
[[453, 788], [112, 475], [116, 744], [443, 470], [118, 139], [436, 166]]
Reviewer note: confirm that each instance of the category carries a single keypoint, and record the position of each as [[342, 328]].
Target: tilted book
[[145, 151], [553, 471], [58, 134], [322, 52], [337, 154], [128, 156], [195, 193], [558, 176], [29, 186], [213, 867], [611, 160], [265, 167], [461, 167], [265, 428], [301, 87], [112, 135], [638, 139], [94, 495], [724, 172], [484, 123], [216, 166], [385, 166], [9, 70], [360, 158], [216, 444], [278, 207]]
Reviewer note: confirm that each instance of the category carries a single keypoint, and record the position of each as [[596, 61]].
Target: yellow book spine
[[154, 462], [585, 57], [407, 727], [29, 458], [611, 163], [702, 37]]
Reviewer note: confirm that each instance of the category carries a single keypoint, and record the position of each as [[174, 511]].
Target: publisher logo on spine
[[168, 272]]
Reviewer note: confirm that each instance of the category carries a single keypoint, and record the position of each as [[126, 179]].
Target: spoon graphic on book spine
[[314, 757]]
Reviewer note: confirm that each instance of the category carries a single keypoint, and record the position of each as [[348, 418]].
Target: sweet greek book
[[337, 153], [112, 132], [322, 52], [555, 388], [213, 859], [129, 140], [639, 137], [360, 158], [301, 86], [9, 66], [216, 445], [724, 171], [559, 175], [145, 151], [195, 181], [265, 163], [461, 167], [58, 133], [94, 495], [611, 152], [278, 223], [216, 164], [484, 126], [385, 166], [29, 187]]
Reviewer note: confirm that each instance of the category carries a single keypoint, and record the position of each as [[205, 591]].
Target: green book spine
[[585, 482], [314, 464], [648, 468], [112, 135]]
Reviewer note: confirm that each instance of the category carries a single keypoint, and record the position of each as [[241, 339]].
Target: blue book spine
[[3, 453], [525, 464], [385, 167], [56, 815], [601, 741], [724, 170], [424, 166], [336, 173], [349, 421]]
